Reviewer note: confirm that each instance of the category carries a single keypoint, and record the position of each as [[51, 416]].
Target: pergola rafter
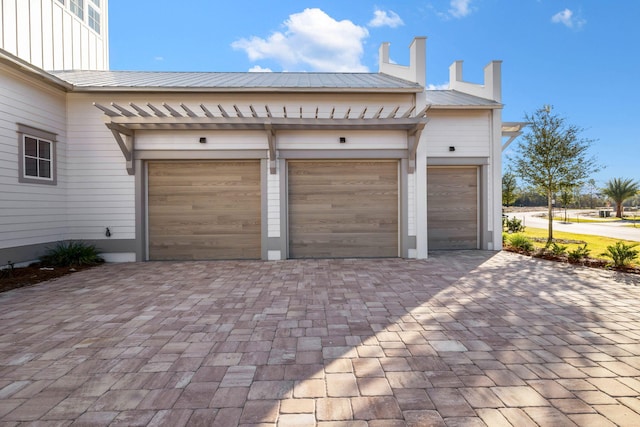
[[125, 121]]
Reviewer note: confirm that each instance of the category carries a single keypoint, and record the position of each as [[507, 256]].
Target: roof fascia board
[[467, 107], [121, 89], [33, 71]]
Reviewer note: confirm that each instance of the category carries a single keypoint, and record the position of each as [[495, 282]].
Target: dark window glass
[[45, 169], [45, 150], [30, 147], [30, 167]]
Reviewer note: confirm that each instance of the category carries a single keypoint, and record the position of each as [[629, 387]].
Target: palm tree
[[620, 189]]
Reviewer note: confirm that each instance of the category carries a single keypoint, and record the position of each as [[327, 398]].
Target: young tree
[[592, 188], [552, 156], [619, 190], [509, 188], [566, 197]]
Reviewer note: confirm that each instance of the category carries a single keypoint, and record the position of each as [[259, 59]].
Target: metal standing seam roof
[[453, 98], [162, 81], [218, 81]]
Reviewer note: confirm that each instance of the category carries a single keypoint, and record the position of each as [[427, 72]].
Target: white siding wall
[[101, 193], [46, 34], [411, 204], [273, 203], [468, 131], [330, 140], [190, 140], [30, 213]]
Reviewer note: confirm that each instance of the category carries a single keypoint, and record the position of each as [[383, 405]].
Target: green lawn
[[584, 219], [597, 244]]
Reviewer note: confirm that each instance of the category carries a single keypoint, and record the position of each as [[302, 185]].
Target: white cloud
[[158, 58], [382, 18], [259, 69], [460, 8], [443, 86], [312, 40], [567, 19]]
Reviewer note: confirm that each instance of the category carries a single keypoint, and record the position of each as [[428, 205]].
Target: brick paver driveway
[[461, 339]]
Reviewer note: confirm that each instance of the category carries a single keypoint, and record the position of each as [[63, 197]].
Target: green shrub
[[518, 241], [621, 253], [68, 254], [513, 225], [578, 253], [558, 250]]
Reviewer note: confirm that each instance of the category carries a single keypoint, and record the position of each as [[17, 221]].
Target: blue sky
[[581, 56]]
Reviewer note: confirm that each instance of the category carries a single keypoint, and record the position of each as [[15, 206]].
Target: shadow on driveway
[[463, 338]]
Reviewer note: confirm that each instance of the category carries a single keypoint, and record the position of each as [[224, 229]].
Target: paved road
[[616, 230]]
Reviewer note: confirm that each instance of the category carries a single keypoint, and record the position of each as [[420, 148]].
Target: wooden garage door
[[452, 207], [204, 210], [343, 209]]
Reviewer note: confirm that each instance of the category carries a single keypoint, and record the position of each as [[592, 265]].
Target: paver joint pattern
[[467, 338]]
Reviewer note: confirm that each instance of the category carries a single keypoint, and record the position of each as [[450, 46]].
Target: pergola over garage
[[124, 121], [211, 209]]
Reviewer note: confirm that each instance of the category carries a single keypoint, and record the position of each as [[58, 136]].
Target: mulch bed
[[35, 273]]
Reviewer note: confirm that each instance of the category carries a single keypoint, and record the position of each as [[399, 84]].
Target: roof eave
[[468, 107], [138, 89], [33, 71]]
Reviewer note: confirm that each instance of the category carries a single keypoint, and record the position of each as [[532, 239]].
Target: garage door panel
[[452, 208], [340, 209], [204, 210], [345, 245]]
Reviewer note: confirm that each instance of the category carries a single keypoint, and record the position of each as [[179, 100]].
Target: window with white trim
[[37, 152], [94, 19], [77, 7], [96, 2]]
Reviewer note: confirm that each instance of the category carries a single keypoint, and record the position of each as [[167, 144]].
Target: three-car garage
[[213, 209]]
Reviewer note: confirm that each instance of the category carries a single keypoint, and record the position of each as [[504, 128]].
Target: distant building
[[161, 165]]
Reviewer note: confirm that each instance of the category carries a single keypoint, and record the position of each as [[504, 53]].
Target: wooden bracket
[[126, 141], [413, 140], [271, 138]]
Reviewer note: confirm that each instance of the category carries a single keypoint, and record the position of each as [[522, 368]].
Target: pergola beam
[[123, 123], [512, 130], [252, 123]]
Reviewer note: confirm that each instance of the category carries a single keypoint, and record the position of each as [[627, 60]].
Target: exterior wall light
[[343, 140], [203, 140], [452, 148]]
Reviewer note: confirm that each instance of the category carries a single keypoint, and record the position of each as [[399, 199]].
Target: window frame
[[92, 13], [26, 131], [77, 8]]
